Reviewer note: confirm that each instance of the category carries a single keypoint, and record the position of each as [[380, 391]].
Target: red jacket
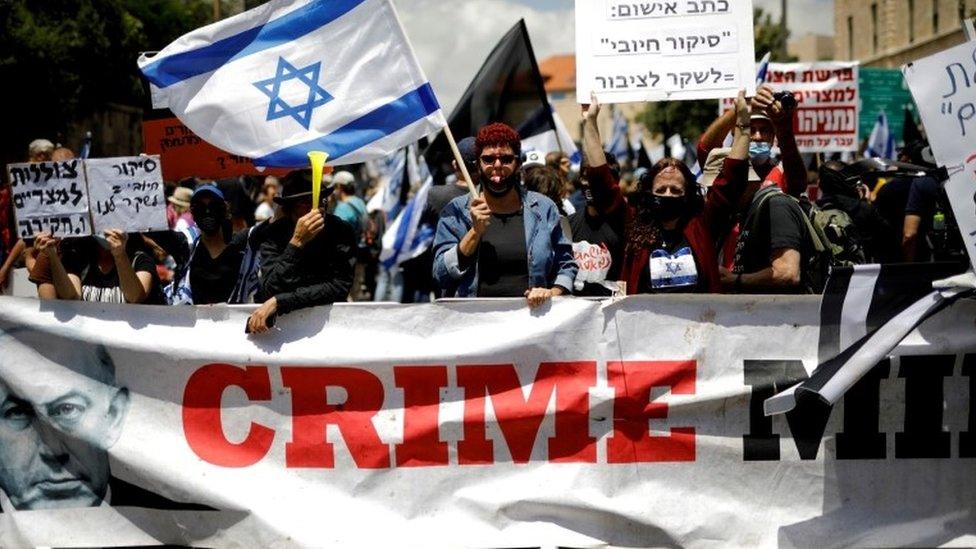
[[715, 220]]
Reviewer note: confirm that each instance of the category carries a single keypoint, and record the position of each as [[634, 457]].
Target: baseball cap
[[208, 188]]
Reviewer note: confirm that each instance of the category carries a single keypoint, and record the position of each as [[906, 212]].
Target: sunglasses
[[215, 207], [490, 159]]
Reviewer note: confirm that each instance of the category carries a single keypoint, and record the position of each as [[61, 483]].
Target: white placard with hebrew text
[[944, 89], [50, 197], [127, 193], [630, 51]]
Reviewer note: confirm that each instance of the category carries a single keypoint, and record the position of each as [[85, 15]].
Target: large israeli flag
[[292, 76]]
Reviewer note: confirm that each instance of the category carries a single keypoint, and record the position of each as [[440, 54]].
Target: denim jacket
[[550, 253]]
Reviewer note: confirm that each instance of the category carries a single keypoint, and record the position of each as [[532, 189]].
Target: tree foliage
[[61, 60], [690, 118]]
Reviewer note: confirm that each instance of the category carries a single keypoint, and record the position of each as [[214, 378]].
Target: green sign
[[883, 90]]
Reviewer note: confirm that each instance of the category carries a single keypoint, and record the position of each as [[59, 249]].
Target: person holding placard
[[670, 229], [12, 249], [109, 268]]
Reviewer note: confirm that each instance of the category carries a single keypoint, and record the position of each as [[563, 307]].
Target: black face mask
[[209, 223], [667, 208], [209, 217], [502, 188]]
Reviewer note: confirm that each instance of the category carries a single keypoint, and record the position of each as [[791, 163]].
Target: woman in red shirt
[[670, 229]]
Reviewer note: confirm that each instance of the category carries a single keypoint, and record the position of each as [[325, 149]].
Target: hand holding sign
[[45, 243]]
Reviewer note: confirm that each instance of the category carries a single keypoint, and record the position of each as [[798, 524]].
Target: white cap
[[343, 178]]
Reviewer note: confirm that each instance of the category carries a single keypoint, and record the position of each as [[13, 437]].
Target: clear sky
[[452, 37]]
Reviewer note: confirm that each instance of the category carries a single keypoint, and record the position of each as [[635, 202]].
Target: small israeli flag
[[762, 68], [292, 76], [619, 145], [881, 144]]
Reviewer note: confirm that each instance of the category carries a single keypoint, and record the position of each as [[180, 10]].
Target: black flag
[[910, 133], [508, 88], [865, 313]]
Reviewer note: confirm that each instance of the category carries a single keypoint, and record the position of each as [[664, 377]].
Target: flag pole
[[459, 160]]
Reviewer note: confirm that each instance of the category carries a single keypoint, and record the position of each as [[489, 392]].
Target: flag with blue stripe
[[292, 76], [762, 68], [881, 144], [619, 145], [395, 176], [407, 238]]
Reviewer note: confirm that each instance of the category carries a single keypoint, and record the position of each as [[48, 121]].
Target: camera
[[785, 98]]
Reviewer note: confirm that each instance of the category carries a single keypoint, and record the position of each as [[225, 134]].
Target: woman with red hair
[[670, 228]]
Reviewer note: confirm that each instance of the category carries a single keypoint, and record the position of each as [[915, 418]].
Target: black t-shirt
[[674, 267], [104, 287], [923, 197], [213, 279], [891, 200], [780, 225], [440, 196], [503, 267]]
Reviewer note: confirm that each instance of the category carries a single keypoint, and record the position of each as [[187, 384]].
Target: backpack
[[825, 253], [839, 232]]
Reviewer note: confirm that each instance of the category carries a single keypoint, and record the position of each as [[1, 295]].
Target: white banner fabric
[[632, 423]]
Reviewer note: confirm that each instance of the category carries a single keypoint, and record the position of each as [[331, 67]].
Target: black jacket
[[319, 273]]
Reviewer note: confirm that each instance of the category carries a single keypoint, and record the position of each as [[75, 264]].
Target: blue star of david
[[673, 268], [302, 113]]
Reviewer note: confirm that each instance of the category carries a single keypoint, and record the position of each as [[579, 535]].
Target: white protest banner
[[663, 50], [127, 193], [827, 99], [631, 423], [945, 91], [50, 197]]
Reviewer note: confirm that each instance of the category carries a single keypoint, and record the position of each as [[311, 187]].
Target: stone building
[[811, 47], [890, 33]]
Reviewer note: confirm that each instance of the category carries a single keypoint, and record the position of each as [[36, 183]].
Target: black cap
[[297, 186], [468, 150]]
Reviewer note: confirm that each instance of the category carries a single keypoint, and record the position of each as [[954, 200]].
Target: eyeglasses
[[490, 159]]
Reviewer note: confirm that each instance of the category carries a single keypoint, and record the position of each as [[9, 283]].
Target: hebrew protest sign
[[663, 50], [631, 423], [126, 193], [944, 87], [184, 154], [50, 197], [827, 96]]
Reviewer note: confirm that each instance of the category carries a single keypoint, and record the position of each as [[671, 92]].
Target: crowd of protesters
[[761, 218]]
